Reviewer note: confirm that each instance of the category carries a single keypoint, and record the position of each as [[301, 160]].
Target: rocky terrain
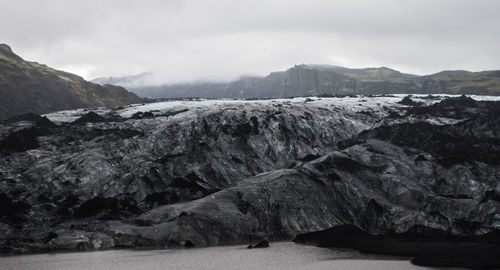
[[198, 173], [32, 87], [321, 80]]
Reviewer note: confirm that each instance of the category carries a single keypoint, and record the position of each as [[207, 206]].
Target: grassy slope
[[314, 80], [33, 87], [462, 82]]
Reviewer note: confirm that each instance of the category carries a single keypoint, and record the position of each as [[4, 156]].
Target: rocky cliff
[[33, 87], [224, 172], [324, 80]]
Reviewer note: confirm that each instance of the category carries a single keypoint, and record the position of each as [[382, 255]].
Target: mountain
[[462, 82], [33, 87], [299, 80], [303, 80]]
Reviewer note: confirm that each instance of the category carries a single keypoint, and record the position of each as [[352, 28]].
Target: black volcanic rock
[[455, 107], [116, 170], [32, 117], [260, 244], [33, 87], [230, 172], [25, 132], [475, 138], [21, 140], [428, 246], [141, 115], [409, 102], [360, 185], [90, 117]]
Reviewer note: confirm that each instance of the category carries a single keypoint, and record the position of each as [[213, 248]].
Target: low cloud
[[221, 40]]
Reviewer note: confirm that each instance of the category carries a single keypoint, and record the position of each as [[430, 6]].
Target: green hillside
[[33, 87]]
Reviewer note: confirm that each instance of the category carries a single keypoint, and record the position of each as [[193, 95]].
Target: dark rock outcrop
[[365, 185], [260, 244], [427, 246], [90, 117], [32, 117], [140, 115], [409, 102], [115, 170], [224, 174], [23, 133]]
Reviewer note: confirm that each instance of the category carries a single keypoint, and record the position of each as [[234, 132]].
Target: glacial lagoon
[[280, 255]]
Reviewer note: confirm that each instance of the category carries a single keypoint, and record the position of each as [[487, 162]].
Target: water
[[281, 255]]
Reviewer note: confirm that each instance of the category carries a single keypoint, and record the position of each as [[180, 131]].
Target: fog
[[221, 40]]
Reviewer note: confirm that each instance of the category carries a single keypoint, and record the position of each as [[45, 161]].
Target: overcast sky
[[223, 39]]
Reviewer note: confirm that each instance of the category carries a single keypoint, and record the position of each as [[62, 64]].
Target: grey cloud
[[222, 39]]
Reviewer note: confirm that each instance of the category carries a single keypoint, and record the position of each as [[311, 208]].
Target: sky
[[221, 40]]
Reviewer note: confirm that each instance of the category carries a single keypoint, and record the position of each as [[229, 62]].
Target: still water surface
[[281, 255]]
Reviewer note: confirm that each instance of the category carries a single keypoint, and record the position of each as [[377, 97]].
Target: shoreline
[[280, 255]]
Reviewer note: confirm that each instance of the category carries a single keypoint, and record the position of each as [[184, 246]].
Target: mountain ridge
[[33, 87], [320, 79]]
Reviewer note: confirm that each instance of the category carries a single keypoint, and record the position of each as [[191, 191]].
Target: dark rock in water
[[90, 117], [180, 244], [262, 244], [428, 246]]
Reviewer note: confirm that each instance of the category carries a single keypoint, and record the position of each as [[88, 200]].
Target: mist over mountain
[[304, 80], [32, 87], [132, 81]]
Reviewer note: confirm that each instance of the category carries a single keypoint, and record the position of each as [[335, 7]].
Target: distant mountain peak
[[457, 72], [7, 54], [5, 48]]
